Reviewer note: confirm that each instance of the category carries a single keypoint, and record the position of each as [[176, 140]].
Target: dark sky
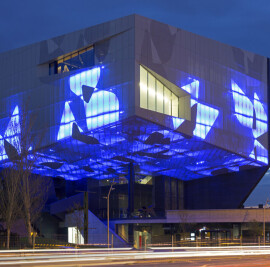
[[241, 23]]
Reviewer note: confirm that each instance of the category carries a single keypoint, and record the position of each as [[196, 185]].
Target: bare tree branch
[[21, 147]]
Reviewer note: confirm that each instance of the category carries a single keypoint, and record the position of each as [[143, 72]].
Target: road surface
[[205, 256]]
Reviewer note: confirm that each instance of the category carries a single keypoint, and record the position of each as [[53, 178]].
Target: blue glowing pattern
[[89, 78], [206, 115], [155, 149], [251, 115], [179, 157], [192, 88], [65, 129], [11, 134], [102, 109], [105, 103], [177, 122], [243, 106], [261, 118], [205, 119], [259, 153]]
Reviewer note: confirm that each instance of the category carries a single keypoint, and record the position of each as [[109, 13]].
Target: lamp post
[[108, 213]]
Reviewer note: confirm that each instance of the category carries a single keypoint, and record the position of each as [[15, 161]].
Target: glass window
[[159, 97], [167, 101], [155, 96], [151, 92], [174, 105], [78, 60], [143, 88]]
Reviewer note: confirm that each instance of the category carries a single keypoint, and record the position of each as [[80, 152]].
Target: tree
[[21, 146], [34, 191], [184, 226], [254, 229], [10, 204]]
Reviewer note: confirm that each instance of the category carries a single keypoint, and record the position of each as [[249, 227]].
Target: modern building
[[171, 120]]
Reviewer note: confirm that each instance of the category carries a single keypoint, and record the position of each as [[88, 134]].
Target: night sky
[[241, 23]]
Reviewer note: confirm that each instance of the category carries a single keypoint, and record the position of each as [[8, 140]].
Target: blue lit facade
[[143, 104]]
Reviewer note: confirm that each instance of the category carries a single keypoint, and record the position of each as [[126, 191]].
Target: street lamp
[[108, 213]]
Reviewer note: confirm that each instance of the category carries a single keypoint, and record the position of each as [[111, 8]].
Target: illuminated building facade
[[173, 119]]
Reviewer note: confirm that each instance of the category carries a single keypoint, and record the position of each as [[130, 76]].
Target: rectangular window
[[155, 96], [151, 86], [174, 105], [143, 88], [167, 101], [159, 97], [78, 60]]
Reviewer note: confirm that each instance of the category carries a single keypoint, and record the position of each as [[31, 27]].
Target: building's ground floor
[[200, 227], [194, 234], [152, 210], [176, 228]]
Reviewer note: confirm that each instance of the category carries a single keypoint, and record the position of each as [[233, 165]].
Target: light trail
[[209, 248], [63, 250], [91, 255]]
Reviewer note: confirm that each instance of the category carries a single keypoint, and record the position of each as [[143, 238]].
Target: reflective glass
[[174, 105], [167, 101], [159, 96], [78, 60], [143, 88], [151, 92]]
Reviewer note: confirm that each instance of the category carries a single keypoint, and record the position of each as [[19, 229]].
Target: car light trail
[[119, 255]]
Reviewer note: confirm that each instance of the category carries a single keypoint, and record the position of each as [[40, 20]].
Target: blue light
[[260, 113], [105, 103], [261, 118], [13, 127], [193, 102], [246, 121], [192, 88], [101, 102], [182, 158], [206, 117], [177, 122], [3, 154], [11, 134], [102, 109], [261, 128], [67, 119], [88, 77], [262, 153], [244, 114], [242, 105]]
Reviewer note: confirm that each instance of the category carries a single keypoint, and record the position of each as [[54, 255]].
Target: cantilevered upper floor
[[136, 90]]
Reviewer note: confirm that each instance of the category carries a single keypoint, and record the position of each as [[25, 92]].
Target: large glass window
[[167, 101], [77, 60], [159, 97], [155, 96], [143, 88], [151, 87], [175, 107]]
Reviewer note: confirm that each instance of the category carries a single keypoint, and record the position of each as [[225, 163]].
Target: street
[[188, 256]]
